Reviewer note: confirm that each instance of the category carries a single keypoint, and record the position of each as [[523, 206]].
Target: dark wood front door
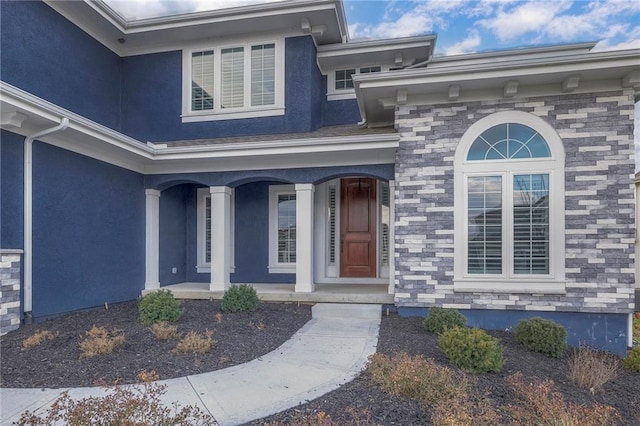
[[358, 227]]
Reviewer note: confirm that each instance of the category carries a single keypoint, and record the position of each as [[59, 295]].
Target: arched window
[[509, 183]]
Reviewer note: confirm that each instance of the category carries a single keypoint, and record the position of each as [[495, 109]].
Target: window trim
[[247, 111], [334, 94], [202, 266], [274, 266], [507, 282]]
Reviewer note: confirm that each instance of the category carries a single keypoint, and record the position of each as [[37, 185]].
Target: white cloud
[[524, 18], [469, 44], [140, 9]]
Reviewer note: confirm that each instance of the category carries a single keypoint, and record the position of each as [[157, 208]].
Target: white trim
[[202, 266], [274, 266], [334, 94], [247, 111], [152, 239], [553, 282], [392, 236], [220, 238], [304, 237]]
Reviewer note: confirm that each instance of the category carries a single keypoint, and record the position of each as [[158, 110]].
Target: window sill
[[522, 286], [192, 117], [206, 269], [335, 96], [282, 269]]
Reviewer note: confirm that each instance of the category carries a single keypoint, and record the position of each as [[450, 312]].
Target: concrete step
[[346, 310]]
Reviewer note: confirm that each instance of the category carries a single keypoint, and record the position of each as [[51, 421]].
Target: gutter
[[28, 212]]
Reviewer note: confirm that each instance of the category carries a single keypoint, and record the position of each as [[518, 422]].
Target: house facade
[[260, 145]]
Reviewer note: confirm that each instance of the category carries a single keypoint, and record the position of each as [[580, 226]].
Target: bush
[[591, 369], [164, 331], [542, 335], [632, 361], [37, 338], [158, 306], [539, 404], [472, 349], [441, 319], [195, 343], [99, 341], [240, 298], [122, 405]]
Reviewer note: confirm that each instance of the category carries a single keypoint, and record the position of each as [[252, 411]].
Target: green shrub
[[632, 361], [542, 335], [441, 319], [240, 298], [158, 306], [472, 349]]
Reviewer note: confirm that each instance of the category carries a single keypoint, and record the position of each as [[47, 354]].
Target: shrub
[[591, 369], [632, 360], [539, 404], [441, 319], [99, 341], [37, 338], [542, 335], [195, 343], [472, 349], [636, 328], [240, 298], [164, 331], [122, 405], [158, 306], [450, 394]]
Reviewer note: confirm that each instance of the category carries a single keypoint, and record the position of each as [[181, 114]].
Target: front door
[[358, 227]]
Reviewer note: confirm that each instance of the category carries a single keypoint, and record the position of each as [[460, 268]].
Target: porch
[[323, 293]]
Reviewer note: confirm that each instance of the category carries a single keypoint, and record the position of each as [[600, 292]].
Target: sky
[[462, 26]]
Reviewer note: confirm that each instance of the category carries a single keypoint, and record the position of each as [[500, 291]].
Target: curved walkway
[[328, 351]]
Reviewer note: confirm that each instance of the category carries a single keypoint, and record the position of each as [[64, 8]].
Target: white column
[[220, 237], [304, 238], [152, 240], [392, 237]]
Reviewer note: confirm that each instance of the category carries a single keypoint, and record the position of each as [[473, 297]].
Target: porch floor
[[324, 293]]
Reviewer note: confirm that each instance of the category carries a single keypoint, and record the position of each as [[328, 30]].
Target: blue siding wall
[[88, 232], [252, 236], [152, 99], [45, 54], [11, 190], [173, 234], [606, 331]]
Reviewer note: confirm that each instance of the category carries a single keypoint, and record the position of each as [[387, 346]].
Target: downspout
[[28, 212]]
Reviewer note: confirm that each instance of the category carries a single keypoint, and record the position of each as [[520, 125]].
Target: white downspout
[[28, 210]]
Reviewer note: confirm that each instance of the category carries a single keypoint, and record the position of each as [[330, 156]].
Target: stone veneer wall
[[597, 133], [10, 272]]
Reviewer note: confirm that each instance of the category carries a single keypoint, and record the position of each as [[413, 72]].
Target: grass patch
[[591, 369], [37, 338], [100, 341], [164, 331], [540, 404], [195, 343]]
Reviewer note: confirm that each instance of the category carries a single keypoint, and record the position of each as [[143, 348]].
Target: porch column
[[304, 238], [220, 237], [392, 237], [152, 240]]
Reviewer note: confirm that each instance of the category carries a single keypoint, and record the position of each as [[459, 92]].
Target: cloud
[[526, 17], [469, 44], [140, 9]]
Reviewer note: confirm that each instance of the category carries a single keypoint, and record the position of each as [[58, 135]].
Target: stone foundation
[[10, 282]]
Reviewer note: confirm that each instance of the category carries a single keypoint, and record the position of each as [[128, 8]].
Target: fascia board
[[328, 50], [586, 62]]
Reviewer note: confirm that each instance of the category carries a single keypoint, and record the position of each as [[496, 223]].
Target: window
[[340, 82], [509, 182], [203, 227], [282, 229], [238, 81]]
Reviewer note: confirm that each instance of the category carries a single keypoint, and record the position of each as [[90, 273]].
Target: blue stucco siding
[[11, 190], [315, 175], [605, 331], [173, 234], [88, 232], [340, 112], [45, 54]]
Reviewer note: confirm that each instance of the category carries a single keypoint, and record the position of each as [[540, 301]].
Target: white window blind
[[263, 74], [202, 80], [232, 77]]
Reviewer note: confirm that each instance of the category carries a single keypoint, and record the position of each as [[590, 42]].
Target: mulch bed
[[242, 337], [55, 363]]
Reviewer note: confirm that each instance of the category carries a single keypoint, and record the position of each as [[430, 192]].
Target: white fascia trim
[[346, 94], [245, 113]]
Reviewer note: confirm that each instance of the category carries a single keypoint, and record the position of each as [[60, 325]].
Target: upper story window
[[242, 80], [340, 82], [509, 215]]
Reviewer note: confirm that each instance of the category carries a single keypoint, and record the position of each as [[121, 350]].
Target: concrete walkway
[[325, 353]]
